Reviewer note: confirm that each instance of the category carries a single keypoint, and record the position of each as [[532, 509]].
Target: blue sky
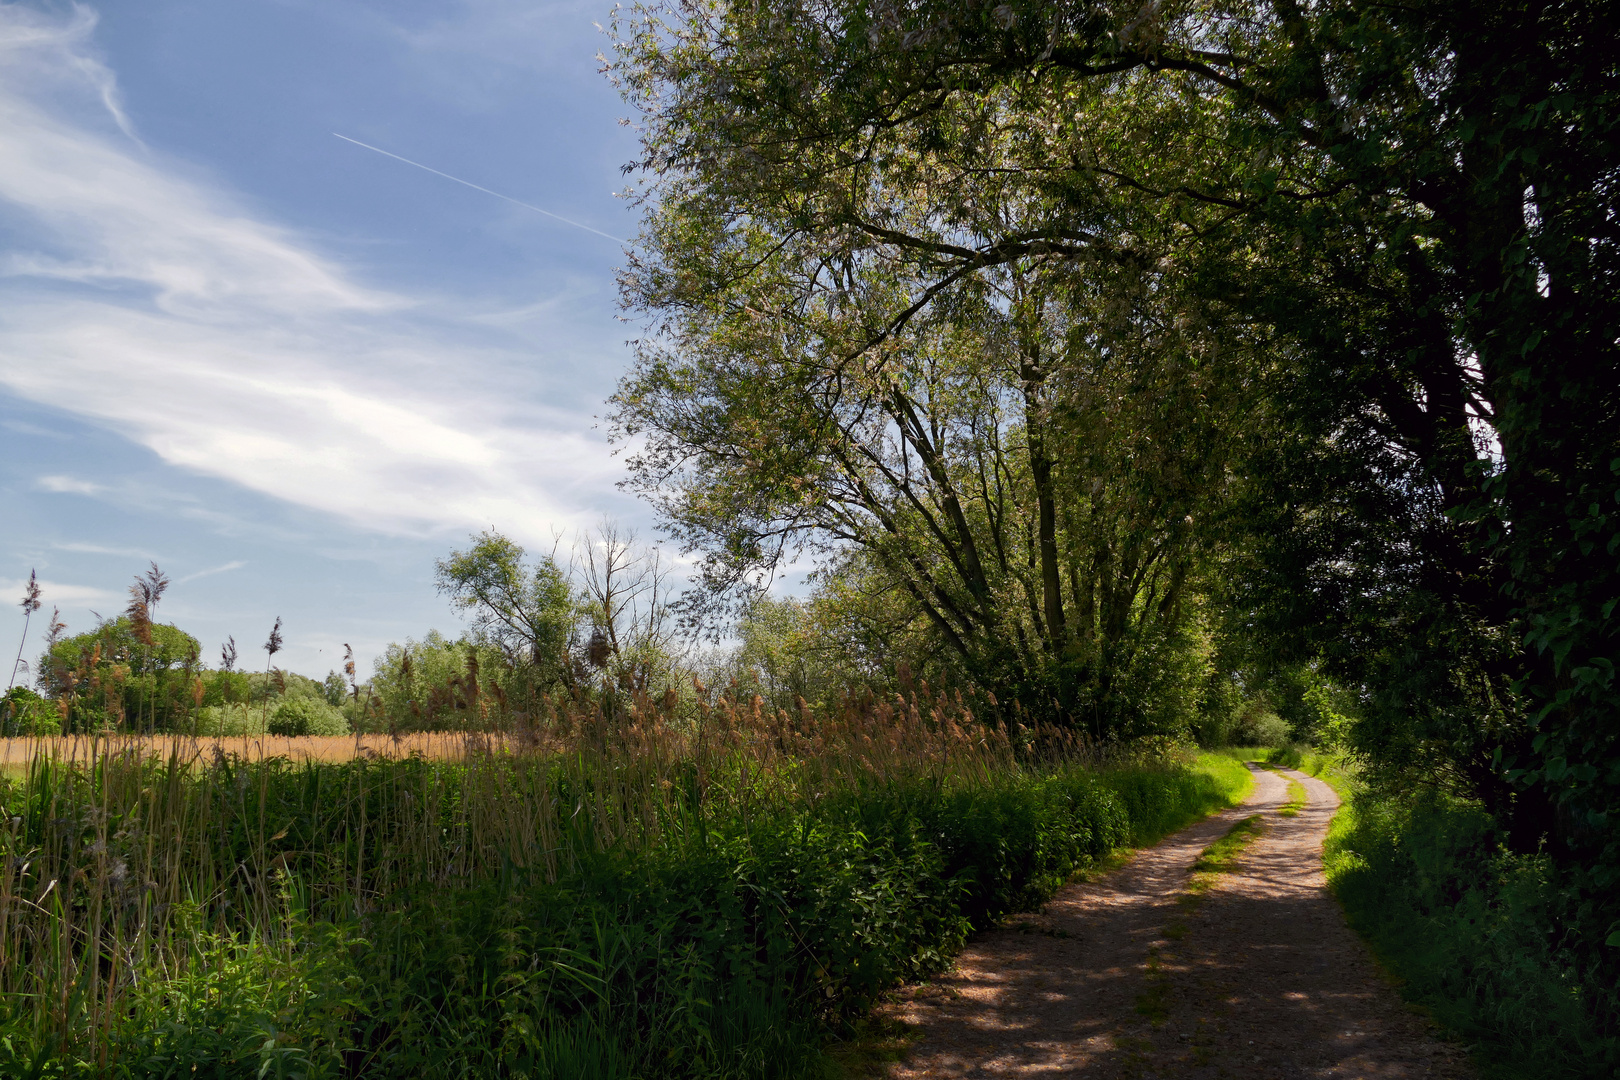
[[288, 369]]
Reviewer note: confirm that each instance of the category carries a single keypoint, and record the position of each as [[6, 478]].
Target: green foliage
[[335, 689], [726, 942], [125, 673], [1262, 728], [297, 716], [1503, 948], [269, 685], [231, 719], [227, 687], [823, 646], [23, 712], [437, 684], [528, 610], [1329, 302], [256, 703]]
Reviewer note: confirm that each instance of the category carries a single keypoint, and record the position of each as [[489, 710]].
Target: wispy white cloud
[[69, 485], [157, 304], [64, 594], [80, 548], [234, 564]]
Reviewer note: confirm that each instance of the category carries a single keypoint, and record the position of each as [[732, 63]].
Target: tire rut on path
[[1259, 978]]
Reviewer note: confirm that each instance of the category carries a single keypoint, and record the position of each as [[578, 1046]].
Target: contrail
[[485, 190]]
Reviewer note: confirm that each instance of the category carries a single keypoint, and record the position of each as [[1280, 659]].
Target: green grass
[[626, 900], [1297, 798], [1223, 855]]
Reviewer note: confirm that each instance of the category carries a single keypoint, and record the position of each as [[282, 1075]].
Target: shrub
[[23, 712], [299, 716], [1259, 726], [1505, 949], [230, 719]]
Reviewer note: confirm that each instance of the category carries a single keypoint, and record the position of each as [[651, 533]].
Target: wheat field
[[16, 753]]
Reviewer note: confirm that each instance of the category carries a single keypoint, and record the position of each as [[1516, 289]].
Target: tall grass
[[581, 895]]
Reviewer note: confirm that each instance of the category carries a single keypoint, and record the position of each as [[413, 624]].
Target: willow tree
[[1024, 455], [1413, 204]]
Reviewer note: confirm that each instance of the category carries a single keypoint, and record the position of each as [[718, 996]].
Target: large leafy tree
[[1412, 206], [1024, 462]]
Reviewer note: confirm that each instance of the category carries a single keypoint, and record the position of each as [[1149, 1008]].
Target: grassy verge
[[1503, 950], [621, 899]]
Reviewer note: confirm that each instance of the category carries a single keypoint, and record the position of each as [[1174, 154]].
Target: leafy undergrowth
[[1503, 950], [373, 918]]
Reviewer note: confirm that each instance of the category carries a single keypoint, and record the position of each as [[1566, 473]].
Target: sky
[[290, 370]]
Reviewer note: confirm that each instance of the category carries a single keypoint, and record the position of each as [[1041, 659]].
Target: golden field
[[18, 752]]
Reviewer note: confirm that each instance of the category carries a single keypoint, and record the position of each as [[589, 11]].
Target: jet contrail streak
[[485, 190]]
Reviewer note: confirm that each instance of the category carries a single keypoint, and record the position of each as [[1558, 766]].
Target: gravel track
[[1124, 977]]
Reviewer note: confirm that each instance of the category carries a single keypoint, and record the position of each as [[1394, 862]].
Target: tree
[[120, 674], [625, 596], [528, 610], [1410, 208], [1021, 439]]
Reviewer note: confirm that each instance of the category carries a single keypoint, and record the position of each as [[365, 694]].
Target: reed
[[148, 884]]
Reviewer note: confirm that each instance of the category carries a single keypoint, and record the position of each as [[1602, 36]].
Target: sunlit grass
[[585, 893]]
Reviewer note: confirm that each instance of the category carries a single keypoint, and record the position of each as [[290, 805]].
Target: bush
[[230, 719], [226, 687], [299, 716], [23, 712], [1256, 725], [1504, 949]]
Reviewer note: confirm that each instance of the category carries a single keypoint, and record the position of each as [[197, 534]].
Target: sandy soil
[[1258, 978]]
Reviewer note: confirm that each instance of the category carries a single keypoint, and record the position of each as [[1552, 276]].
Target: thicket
[[1494, 943], [585, 897]]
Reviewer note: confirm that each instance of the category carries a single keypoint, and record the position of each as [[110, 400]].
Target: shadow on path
[[1118, 978]]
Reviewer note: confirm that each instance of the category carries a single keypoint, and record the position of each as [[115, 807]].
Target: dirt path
[[1260, 978]]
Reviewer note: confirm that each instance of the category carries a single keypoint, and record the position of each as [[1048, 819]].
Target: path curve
[[1261, 978]]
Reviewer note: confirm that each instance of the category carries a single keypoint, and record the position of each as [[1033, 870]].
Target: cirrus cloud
[[154, 302]]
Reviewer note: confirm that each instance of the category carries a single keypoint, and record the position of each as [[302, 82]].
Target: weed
[[1222, 856], [1154, 1002], [1297, 798], [866, 1049]]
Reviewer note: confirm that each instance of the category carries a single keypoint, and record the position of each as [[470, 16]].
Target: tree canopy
[[1303, 311]]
